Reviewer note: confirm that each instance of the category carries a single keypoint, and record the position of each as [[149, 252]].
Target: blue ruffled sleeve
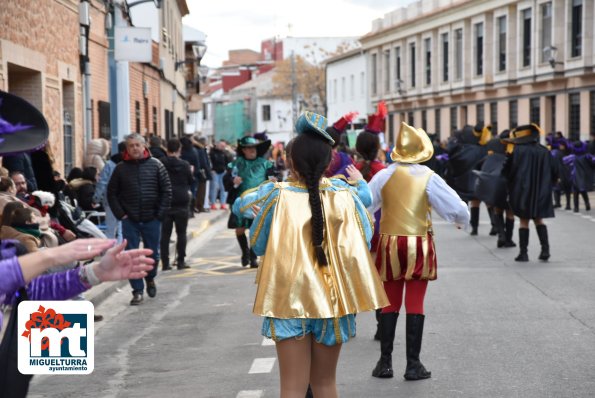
[[360, 189], [261, 226]]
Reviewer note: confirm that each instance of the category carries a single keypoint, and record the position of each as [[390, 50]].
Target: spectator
[[190, 154], [22, 191], [113, 226], [181, 180], [83, 189], [21, 162], [139, 194], [204, 174], [18, 223], [156, 147], [97, 152], [219, 160]]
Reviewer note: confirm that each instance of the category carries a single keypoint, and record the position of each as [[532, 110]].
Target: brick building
[[39, 61]]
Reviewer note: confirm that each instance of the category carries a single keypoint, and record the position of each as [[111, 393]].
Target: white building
[[347, 86], [440, 64]]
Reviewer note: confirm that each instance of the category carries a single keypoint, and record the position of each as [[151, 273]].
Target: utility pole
[[294, 109]]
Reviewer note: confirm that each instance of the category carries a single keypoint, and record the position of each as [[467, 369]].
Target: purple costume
[[58, 286]]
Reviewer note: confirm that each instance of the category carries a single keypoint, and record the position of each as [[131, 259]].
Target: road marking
[[266, 341], [588, 217], [262, 365], [250, 394]]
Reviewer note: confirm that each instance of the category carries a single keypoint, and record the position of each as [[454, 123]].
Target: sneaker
[[224, 207], [151, 288], [213, 206], [137, 298]]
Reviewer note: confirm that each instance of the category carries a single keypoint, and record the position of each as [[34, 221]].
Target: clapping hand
[[118, 264]]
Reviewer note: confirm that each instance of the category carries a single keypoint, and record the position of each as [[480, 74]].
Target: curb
[[99, 293]]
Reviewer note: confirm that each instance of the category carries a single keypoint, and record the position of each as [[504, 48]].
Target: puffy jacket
[[139, 189], [181, 179], [219, 160]]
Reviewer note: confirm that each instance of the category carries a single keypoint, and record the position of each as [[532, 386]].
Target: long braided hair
[[367, 145], [310, 156]]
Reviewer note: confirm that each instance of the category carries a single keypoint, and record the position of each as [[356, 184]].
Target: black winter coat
[[191, 156], [181, 180], [139, 189], [219, 160], [530, 172]]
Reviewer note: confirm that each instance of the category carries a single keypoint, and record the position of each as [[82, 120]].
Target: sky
[[239, 24]]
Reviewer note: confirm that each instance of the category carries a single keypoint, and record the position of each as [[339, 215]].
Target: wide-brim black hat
[[526, 134], [249, 142], [22, 127]]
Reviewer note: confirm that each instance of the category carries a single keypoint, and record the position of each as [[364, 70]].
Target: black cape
[[462, 160], [530, 172]]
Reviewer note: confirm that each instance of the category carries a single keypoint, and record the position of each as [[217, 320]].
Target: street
[[494, 327]]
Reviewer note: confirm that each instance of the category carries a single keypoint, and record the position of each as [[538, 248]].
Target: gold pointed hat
[[413, 145]]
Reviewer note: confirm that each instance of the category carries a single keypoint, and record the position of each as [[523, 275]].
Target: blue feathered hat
[[313, 123]]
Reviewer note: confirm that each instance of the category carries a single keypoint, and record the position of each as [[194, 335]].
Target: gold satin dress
[[290, 282]]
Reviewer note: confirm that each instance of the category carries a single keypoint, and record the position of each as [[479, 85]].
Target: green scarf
[[29, 229]]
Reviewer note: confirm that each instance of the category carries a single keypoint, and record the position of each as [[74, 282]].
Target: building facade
[[39, 61], [441, 64]]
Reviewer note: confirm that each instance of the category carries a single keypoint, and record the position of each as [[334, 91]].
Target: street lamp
[[551, 52]]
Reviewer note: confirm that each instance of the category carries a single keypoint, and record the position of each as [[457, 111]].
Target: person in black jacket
[[181, 180], [219, 160], [530, 171], [156, 148], [190, 154], [139, 194], [204, 174]]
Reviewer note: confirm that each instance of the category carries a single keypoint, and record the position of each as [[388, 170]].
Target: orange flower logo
[[43, 319]]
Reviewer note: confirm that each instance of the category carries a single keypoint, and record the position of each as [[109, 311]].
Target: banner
[[133, 44]]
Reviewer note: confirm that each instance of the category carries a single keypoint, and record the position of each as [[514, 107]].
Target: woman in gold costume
[[317, 271]]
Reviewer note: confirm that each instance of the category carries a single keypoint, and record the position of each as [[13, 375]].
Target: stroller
[[73, 218]]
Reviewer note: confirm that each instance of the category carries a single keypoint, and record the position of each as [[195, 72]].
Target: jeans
[[150, 232], [217, 188], [179, 217], [113, 227]]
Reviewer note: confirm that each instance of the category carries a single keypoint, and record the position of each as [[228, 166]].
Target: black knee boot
[[415, 329], [575, 198], [474, 222], [388, 324], [377, 334], [543, 240], [585, 196], [567, 194], [523, 243], [243, 241], [494, 230], [499, 225], [509, 231], [253, 259]]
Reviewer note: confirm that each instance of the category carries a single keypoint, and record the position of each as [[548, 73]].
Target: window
[[480, 110], [552, 107], [576, 28], [266, 113], [546, 30], [104, 120], [424, 121], [155, 131], [458, 54], [501, 43], [351, 86], [464, 114], [374, 71], [335, 90], [412, 69], [513, 113], [437, 121], [592, 113], [387, 71], [410, 119], [526, 38], [494, 116], [453, 119], [479, 49], [137, 116], [362, 79], [398, 63], [574, 116], [428, 50], [343, 89], [444, 41], [534, 110]]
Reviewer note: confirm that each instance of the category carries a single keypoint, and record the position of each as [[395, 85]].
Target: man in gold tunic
[[406, 192]]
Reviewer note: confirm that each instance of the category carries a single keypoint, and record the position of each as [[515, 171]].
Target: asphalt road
[[494, 328]]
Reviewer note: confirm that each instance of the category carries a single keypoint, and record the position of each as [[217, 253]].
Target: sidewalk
[[196, 226]]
